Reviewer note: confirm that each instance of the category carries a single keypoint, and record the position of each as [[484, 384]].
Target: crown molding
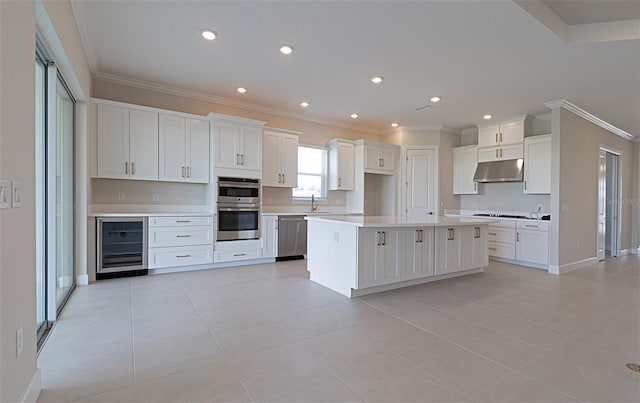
[[543, 116], [563, 103], [204, 97], [79, 8]]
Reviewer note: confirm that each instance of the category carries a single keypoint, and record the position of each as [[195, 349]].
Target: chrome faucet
[[313, 203]]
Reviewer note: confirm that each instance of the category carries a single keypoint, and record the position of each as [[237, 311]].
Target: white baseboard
[[579, 264], [33, 391], [624, 252], [82, 279]]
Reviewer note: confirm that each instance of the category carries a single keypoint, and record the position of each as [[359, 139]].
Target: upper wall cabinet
[[537, 165], [238, 142], [506, 132], [379, 158], [465, 162], [280, 158], [127, 143], [341, 164], [184, 149]]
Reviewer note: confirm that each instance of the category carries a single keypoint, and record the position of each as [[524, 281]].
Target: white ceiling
[[479, 56], [589, 11]]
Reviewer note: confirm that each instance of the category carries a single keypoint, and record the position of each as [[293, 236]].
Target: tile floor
[[266, 333]]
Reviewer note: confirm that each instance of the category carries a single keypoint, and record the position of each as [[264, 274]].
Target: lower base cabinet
[[391, 255], [269, 236], [460, 248], [180, 241]]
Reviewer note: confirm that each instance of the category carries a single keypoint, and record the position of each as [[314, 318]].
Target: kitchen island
[[361, 255]]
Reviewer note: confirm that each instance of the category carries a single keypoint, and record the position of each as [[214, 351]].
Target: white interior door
[[420, 182], [602, 203]]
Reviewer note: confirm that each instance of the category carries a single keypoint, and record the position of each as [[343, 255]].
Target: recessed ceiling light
[[354, 116], [209, 34], [487, 117], [241, 90], [394, 124], [286, 49], [377, 79], [435, 99], [304, 104]]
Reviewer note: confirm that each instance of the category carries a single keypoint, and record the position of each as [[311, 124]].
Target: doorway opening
[[609, 190]]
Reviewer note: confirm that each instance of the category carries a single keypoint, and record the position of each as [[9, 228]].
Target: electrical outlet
[[19, 341], [120, 195], [155, 197]]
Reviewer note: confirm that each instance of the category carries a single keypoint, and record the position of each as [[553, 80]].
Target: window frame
[[324, 177]]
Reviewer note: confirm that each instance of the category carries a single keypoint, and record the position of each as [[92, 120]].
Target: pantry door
[[421, 181]]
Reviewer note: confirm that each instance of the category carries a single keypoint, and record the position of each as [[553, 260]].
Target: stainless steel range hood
[[499, 171]]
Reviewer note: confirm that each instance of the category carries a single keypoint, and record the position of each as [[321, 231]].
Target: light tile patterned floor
[[266, 333]]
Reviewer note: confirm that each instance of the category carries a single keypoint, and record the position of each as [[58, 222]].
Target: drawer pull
[[182, 256], [182, 221], [239, 254], [492, 249], [492, 233], [531, 226], [183, 236]]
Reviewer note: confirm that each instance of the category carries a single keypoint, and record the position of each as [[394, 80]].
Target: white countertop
[[400, 221], [176, 214]]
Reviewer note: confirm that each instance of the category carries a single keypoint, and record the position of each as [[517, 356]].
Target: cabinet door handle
[[384, 238], [183, 172], [378, 238], [182, 256], [183, 236], [525, 185], [475, 186], [517, 237], [496, 137], [237, 159], [501, 140], [188, 172], [339, 182], [417, 236], [476, 231], [284, 180], [382, 162], [242, 157], [126, 168], [501, 153], [451, 234], [496, 153], [133, 168]]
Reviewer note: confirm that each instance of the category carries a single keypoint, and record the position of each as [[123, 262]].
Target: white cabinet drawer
[[504, 250], [504, 224], [498, 234], [533, 225], [180, 256], [180, 236], [235, 255], [180, 221]]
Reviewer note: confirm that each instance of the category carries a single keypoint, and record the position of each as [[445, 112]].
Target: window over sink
[[312, 173]]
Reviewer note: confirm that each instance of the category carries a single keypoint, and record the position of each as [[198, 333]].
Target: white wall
[[17, 229], [579, 142], [105, 191]]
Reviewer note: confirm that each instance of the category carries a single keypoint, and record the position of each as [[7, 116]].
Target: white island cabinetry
[[375, 253]]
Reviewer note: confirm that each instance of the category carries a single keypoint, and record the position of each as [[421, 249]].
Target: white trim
[[543, 116], [82, 279], [200, 96], [33, 390], [519, 263], [625, 252], [619, 209], [146, 108], [563, 103], [519, 117], [285, 131], [579, 264]]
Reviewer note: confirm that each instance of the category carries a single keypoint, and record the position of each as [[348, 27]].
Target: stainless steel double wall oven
[[238, 208]]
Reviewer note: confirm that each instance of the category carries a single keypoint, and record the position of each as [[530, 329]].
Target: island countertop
[[400, 221]]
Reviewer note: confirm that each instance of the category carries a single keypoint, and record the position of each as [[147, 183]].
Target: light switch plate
[[5, 194], [16, 194]]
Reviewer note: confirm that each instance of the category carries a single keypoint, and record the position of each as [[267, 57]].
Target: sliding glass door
[[55, 193]]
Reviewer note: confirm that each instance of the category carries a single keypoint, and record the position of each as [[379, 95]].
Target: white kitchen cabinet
[[380, 257], [418, 252], [537, 165], [269, 236], [508, 152], [502, 239], [341, 164], [532, 242], [449, 250], [510, 131], [280, 158], [465, 162], [180, 241], [184, 149], [474, 247], [380, 158], [127, 143], [237, 145]]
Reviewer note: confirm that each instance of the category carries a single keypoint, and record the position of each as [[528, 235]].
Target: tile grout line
[[468, 350], [224, 354], [133, 339]]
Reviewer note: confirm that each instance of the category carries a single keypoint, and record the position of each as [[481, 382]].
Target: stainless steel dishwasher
[[292, 236]]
